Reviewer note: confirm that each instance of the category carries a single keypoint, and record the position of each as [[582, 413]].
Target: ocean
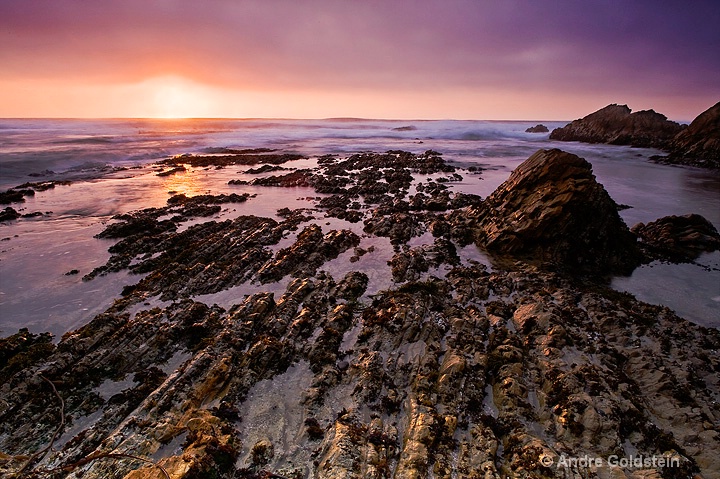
[[110, 165]]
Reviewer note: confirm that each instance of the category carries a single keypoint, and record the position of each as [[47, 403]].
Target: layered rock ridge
[[552, 210], [699, 143], [617, 125], [492, 373], [695, 145]]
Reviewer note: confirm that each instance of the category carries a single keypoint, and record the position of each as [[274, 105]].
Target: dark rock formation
[[699, 143], [307, 254], [9, 214], [296, 178], [172, 171], [616, 125], [43, 185], [678, 238], [18, 193], [433, 376], [399, 227], [193, 201], [553, 211], [539, 128], [265, 169], [22, 350], [15, 195], [408, 265], [231, 157], [479, 374]]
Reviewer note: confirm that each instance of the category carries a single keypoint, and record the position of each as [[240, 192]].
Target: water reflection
[[691, 290]]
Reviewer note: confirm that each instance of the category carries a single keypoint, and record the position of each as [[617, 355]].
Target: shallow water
[[677, 286], [35, 253]]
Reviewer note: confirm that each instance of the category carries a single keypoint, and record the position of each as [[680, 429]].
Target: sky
[[398, 59]]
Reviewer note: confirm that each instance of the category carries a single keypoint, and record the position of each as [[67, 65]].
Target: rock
[[262, 452], [231, 157], [15, 196], [34, 214], [265, 169], [430, 384], [135, 225], [552, 210], [475, 373], [43, 185], [172, 171], [22, 350], [699, 143], [409, 265], [678, 238], [9, 214], [616, 125], [539, 128], [352, 286], [204, 258], [308, 253], [296, 178]]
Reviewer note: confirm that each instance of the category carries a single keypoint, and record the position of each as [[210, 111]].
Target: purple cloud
[[660, 47]]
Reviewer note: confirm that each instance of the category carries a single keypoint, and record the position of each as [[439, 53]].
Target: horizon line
[[334, 118]]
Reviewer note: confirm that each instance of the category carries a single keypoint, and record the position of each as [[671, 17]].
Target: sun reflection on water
[[185, 182]]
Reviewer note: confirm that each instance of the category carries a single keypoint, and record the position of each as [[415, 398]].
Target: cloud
[[629, 48]]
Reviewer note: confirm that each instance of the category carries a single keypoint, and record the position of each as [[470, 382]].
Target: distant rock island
[[616, 125], [694, 145], [539, 128]]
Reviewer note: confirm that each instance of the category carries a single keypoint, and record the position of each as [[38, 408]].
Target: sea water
[[109, 163]]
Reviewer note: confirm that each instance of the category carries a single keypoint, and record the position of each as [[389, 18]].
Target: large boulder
[[699, 143], [617, 125], [552, 210], [678, 238]]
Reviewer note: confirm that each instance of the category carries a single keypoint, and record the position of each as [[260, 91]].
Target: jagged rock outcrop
[[9, 214], [616, 125], [432, 378], [539, 128], [226, 157], [553, 211], [699, 143], [480, 373], [307, 254], [678, 238]]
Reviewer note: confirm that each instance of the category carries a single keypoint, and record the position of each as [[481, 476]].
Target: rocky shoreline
[[459, 370], [697, 144]]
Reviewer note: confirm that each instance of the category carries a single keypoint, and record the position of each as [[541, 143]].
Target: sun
[[176, 97]]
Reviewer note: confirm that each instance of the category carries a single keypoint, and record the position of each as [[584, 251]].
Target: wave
[[60, 145], [93, 140]]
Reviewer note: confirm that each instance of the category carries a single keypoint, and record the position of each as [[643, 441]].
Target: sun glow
[[174, 97]]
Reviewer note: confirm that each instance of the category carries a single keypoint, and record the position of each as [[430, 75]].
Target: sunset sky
[[463, 59]]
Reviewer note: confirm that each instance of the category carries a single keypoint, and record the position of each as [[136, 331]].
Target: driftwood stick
[[104, 455], [40, 455]]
